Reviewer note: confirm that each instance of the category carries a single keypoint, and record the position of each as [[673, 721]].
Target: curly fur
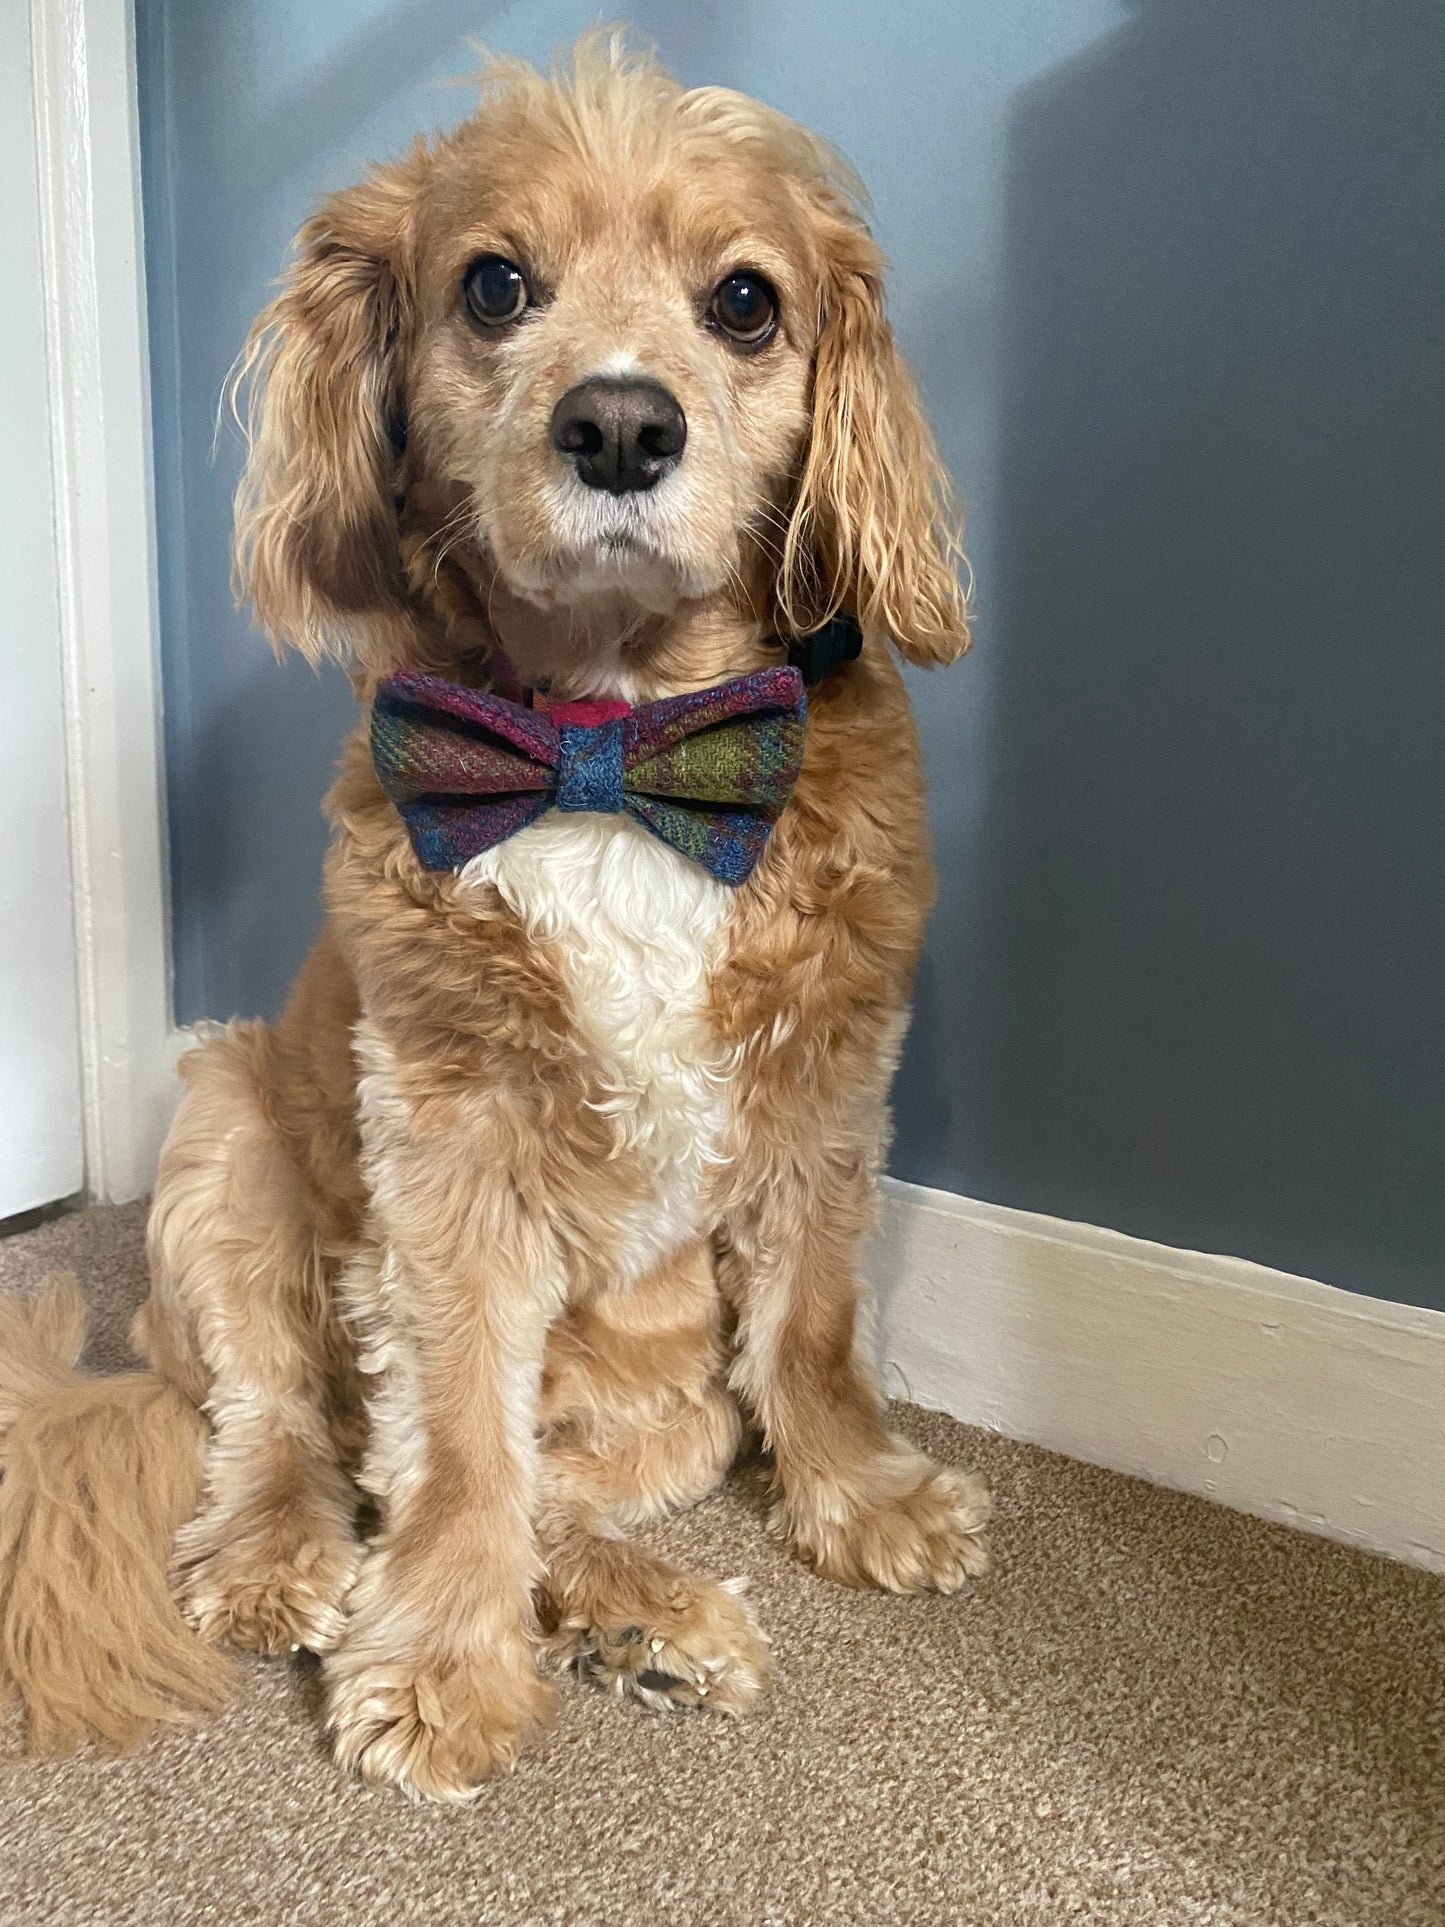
[[555, 1170], [98, 1475]]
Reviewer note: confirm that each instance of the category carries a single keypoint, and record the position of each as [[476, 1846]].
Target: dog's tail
[[98, 1475]]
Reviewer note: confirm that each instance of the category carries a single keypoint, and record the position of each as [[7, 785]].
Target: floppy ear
[[316, 539], [875, 527]]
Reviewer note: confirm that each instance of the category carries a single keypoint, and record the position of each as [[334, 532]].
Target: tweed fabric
[[589, 770], [708, 772]]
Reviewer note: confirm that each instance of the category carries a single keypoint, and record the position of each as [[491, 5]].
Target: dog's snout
[[623, 434]]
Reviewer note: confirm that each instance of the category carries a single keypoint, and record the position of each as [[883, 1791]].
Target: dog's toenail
[[656, 1682], [657, 1646]]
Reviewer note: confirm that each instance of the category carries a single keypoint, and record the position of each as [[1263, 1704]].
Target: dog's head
[[608, 358]]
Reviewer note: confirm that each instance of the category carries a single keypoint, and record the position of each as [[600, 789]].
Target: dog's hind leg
[[240, 1314], [638, 1423]]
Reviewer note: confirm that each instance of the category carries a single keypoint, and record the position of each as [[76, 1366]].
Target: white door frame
[[84, 82]]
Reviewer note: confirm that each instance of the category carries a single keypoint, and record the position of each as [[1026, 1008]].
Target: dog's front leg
[[434, 1683], [853, 1499]]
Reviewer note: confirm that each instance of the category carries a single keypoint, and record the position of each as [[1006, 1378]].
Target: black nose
[[622, 434]]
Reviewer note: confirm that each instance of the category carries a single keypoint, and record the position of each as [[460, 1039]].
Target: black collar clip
[[822, 651]]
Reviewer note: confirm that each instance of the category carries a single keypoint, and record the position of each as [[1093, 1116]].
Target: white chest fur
[[637, 928]]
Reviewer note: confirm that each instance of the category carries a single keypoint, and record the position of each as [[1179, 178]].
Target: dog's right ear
[[316, 541]]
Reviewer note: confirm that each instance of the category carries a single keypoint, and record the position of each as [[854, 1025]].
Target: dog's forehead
[[554, 198]]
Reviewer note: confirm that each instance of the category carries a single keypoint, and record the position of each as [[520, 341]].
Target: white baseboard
[[1292, 1400]]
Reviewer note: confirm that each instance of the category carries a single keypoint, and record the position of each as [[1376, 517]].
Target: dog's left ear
[[874, 527]]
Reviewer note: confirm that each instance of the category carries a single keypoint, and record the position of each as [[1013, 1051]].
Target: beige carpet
[[1155, 1712]]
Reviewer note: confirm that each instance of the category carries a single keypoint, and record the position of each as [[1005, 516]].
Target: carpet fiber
[[1156, 1711]]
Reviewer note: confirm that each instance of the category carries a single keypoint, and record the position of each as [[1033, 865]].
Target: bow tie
[[709, 772]]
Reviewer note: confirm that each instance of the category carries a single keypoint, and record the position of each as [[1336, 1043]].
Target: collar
[[823, 650], [814, 656]]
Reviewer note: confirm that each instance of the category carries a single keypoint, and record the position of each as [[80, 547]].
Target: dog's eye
[[745, 307], [495, 289]]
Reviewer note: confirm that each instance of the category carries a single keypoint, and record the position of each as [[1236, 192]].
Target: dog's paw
[[271, 1586], [681, 1642], [927, 1534], [434, 1728]]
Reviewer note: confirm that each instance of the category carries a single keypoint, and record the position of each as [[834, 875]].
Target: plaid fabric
[[709, 772]]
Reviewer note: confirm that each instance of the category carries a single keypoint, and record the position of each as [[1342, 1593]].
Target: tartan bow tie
[[709, 772]]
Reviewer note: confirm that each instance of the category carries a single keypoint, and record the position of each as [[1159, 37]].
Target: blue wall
[[1171, 275]]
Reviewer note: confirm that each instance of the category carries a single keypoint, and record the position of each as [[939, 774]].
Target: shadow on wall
[[1213, 869]]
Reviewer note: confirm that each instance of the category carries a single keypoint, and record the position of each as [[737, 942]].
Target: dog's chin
[[611, 569], [613, 573]]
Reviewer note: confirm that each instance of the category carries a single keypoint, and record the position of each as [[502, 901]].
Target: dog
[[584, 418]]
